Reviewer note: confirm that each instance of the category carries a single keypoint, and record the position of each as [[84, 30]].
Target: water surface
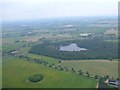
[[72, 47]]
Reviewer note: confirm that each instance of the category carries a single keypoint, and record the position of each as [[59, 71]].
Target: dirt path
[[97, 85]]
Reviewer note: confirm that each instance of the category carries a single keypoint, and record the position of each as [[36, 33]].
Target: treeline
[[97, 49]]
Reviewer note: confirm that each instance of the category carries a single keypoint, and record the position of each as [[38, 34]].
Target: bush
[[96, 76], [36, 78], [80, 72]]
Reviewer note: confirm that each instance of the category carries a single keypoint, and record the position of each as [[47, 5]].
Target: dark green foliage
[[102, 83], [17, 41], [96, 76], [50, 65], [66, 69], [36, 78], [106, 77], [59, 61], [56, 67], [87, 73], [73, 70], [80, 72], [97, 49], [53, 64]]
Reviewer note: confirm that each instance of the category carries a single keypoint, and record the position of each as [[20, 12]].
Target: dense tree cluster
[[97, 49], [36, 78]]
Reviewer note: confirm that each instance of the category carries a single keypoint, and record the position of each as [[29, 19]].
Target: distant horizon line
[[49, 18]]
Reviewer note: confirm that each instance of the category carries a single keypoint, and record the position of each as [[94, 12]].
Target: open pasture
[[17, 71], [95, 67]]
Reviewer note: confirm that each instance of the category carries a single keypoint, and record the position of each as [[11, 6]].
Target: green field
[[50, 60], [17, 71], [95, 67], [12, 46]]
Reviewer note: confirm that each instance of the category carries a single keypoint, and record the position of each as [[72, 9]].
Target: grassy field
[[96, 67], [17, 71], [23, 51], [12, 46], [45, 58]]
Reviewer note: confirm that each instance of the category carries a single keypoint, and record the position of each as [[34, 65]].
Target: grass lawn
[[96, 67], [12, 46], [45, 58], [17, 71], [23, 51]]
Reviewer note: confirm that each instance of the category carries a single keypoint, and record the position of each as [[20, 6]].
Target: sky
[[37, 9]]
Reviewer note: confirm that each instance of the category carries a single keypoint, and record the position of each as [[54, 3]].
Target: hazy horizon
[[15, 10], [59, 18]]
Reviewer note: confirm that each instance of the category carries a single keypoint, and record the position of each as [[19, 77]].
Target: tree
[[66, 69], [45, 63], [96, 76], [80, 72], [50, 65], [36, 78], [87, 73], [59, 61], [53, 64], [16, 41], [28, 58], [107, 77], [56, 67], [73, 70], [118, 79]]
